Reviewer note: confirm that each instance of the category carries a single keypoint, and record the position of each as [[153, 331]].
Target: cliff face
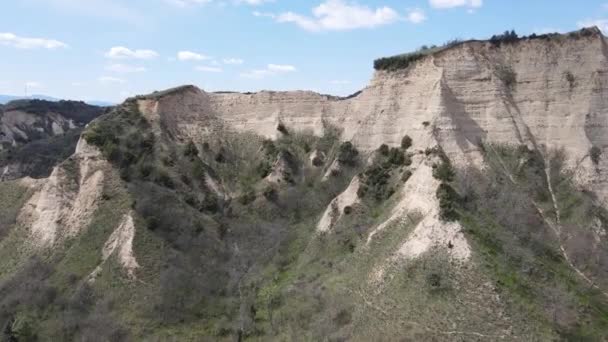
[[549, 93], [35, 135]]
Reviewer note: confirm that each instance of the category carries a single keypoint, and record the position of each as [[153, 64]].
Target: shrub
[[507, 76], [348, 210], [595, 153], [444, 172], [396, 156], [406, 142], [270, 193], [425, 123], [342, 318], [375, 182], [263, 169], [247, 197], [220, 157], [383, 149], [448, 202], [507, 37], [269, 148], [570, 79], [163, 178], [210, 203], [317, 161], [407, 174], [397, 62], [190, 150], [281, 128], [347, 154]]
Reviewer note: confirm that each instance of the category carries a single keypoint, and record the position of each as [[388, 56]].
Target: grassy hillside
[[228, 248]]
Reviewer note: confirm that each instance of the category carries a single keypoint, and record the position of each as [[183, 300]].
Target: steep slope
[[460, 197], [35, 135]]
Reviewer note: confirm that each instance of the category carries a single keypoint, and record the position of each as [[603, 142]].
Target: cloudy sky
[[111, 49]]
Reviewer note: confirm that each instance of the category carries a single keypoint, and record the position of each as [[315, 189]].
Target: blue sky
[[111, 49]]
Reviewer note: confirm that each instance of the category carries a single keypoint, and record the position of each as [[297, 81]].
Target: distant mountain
[[4, 99]]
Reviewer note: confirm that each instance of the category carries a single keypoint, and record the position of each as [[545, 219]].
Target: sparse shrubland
[[380, 179], [520, 247]]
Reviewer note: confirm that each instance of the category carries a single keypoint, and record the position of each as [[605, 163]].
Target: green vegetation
[[569, 76], [507, 76], [80, 112], [381, 178], [405, 60], [595, 153], [449, 199], [527, 263], [347, 154], [13, 197], [36, 159], [406, 142]]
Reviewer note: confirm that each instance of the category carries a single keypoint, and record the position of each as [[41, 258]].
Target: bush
[[383, 149], [263, 169], [347, 154], [190, 150], [426, 123], [507, 76], [342, 318], [448, 202], [270, 193], [281, 128], [570, 79], [507, 37], [406, 175], [595, 153], [444, 171], [396, 156], [317, 161], [406, 142], [247, 197], [397, 62], [348, 210], [269, 148], [162, 178], [375, 182]]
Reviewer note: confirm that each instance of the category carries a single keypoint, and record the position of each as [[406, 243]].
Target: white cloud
[[109, 79], [271, 69], [233, 61], [124, 69], [602, 24], [121, 52], [442, 4], [191, 56], [18, 42], [341, 15], [416, 16], [208, 69], [281, 68], [263, 14]]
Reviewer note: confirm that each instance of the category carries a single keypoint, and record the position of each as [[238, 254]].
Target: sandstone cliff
[[549, 93]]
